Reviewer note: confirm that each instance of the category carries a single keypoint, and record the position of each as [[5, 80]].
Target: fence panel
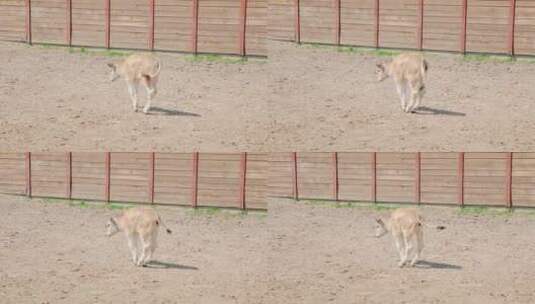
[[173, 178], [12, 177], [492, 26], [88, 20], [317, 21], [443, 25], [219, 26], [355, 176], [12, 20], [315, 175], [523, 182], [280, 175], [281, 19], [439, 177], [88, 176], [357, 20], [256, 180], [256, 27], [48, 21], [485, 179], [525, 27], [129, 24], [173, 25], [48, 172], [219, 180], [488, 26], [395, 177]]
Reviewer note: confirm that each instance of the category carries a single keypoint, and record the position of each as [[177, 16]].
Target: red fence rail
[[226, 27], [489, 179], [498, 26], [232, 180]]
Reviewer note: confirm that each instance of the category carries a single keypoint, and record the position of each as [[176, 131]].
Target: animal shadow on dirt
[[432, 111], [166, 265], [168, 112], [434, 265]]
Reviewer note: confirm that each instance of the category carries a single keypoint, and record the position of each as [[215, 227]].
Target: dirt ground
[[55, 100], [304, 98], [325, 100], [56, 253], [322, 254]]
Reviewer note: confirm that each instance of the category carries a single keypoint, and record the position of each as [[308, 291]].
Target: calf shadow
[[434, 265], [166, 265], [432, 111], [168, 112]]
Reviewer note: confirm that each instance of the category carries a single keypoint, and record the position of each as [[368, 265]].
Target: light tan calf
[[408, 71], [140, 226], [136, 68], [406, 226]]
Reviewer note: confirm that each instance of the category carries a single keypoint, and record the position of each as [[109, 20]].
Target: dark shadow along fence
[[196, 26], [488, 179], [234, 180], [480, 26]]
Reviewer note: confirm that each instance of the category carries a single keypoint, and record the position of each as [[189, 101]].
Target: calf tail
[[425, 67]]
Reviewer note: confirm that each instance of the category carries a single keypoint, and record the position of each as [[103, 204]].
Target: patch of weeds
[[529, 60], [205, 211], [118, 206], [216, 58], [386, 53], [79, 204], [484, 210], [488, 58]]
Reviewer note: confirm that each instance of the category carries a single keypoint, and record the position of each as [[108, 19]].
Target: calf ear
[[379, 221], [112, 66]]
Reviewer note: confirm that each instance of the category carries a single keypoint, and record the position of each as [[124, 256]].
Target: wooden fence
[[490, 179], [196, 26], [235, 180], [481, 26]]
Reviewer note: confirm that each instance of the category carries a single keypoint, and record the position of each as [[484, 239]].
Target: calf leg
[[132, 89], [132, 244], [401, 92], [150, 86], [419, 246], [400, 245]]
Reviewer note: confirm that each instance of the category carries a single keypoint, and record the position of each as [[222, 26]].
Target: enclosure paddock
[[330, 255], [54, 253], [325, 100], [59, 100]]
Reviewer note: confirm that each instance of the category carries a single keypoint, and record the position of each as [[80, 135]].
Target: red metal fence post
[[374, 176], [68, 29], [243, 26], [294, 175], [418, 178], [509, 181], [152, 9], [152, 161], [460, 178], [377, 25], [107, 22], [243, 176], [297, 11], [107, 176], [335, 176], [512, 25], [421, 24], [68, 177], [195, 179], [337, 21], [28, 21], [28, 167], [464, 25], [195, 26]]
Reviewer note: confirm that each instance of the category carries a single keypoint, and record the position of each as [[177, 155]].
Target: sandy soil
[[323, 254], [325, 100], [52, 100], [55, 253]]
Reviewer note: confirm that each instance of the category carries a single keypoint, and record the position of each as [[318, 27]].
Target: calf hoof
[[146, 110], [401, 264]]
